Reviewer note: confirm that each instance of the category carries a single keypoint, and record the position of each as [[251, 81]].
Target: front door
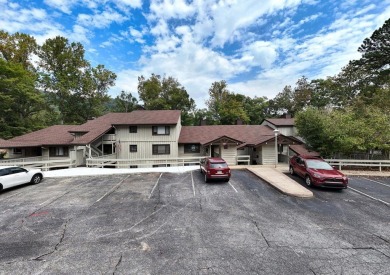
[[215, 151]]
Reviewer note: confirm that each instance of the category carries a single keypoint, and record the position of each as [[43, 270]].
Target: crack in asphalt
[[39, 258], [261, 233], [117, 264], [383, 239]]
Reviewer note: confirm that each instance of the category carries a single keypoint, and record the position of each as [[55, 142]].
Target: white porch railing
[[243, 159], [127, 163], [109, 137], [18, 160], [45, 165], [360, 163]]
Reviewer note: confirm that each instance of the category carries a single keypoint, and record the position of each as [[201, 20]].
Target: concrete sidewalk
[[276, 178]]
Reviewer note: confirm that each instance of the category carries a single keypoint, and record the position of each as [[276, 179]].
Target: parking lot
[[167, 223]]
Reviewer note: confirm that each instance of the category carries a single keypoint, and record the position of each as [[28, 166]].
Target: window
[[58, 151], [17, 170], [161, 130], [191, 148], [161, 149], [133, 166], [17, 151], [133, 148], [133, 129], [4, 172]]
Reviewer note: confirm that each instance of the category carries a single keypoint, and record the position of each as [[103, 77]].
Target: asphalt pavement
[[175, 223]]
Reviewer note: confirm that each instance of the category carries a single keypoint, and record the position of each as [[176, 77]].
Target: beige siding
[[284, 130], [144, 139], [268, 154], [230, 154]]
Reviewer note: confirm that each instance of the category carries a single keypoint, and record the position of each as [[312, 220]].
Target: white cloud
[[63, 5], [168, 9], [129, 3], [100, 20]]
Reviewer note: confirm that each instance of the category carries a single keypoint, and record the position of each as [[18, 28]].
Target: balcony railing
[[109, 137], [140, 163], [38, 162]]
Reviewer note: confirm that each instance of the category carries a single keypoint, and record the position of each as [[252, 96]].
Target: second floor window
[[133, 148], [161, 130], [133, 129]]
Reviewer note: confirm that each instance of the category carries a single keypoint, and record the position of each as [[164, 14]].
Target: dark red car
[[215, 168], [317, 172]]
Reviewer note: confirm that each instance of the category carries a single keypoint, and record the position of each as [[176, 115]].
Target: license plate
[[219, 172]]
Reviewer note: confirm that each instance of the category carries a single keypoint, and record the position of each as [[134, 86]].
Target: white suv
[[12, 175]]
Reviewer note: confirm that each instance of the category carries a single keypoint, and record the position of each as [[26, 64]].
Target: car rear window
[[218, 165]]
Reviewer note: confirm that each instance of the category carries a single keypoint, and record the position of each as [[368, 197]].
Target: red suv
[[214, 168], [317, 172]]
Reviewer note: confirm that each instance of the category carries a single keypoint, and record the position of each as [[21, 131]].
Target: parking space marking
[[381, 183], [154, 187], [112, 189], [193, 186], [232, 186], [368, 196], [141, 221]]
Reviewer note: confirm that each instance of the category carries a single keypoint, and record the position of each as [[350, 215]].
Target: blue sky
[[257, 46]]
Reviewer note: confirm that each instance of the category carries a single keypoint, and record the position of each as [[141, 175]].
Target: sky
[[257, 46]]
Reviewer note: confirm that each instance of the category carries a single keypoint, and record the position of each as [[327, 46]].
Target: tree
[[17, 48], [303, 94], [376, 53], [166, 93], [225, 106], [22, 105], [73, 86], [256, 109], [283, 102], [125, 102], [345, 132]]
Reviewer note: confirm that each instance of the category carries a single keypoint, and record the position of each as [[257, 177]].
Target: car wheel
[[292, 173], [205, 177], [36, 179], [308, 181]]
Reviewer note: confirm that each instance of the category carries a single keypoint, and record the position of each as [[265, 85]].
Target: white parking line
[[381, 183], [139, 222], [230, 183], [154, 187], [193, 186], [368, 196], [112, 189]]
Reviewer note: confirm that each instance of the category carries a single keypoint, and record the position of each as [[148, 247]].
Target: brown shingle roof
[[249, 134], [281, 121], [99, 126], [54, 135], [93, 129], [301, 149]]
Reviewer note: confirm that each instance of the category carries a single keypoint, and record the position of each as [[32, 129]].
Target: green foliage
[[166, 93], [20, 102], [344, 131], [256, 109], [73, 86], [17, 48], [124, 103], [376, 54], [226, 107]]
